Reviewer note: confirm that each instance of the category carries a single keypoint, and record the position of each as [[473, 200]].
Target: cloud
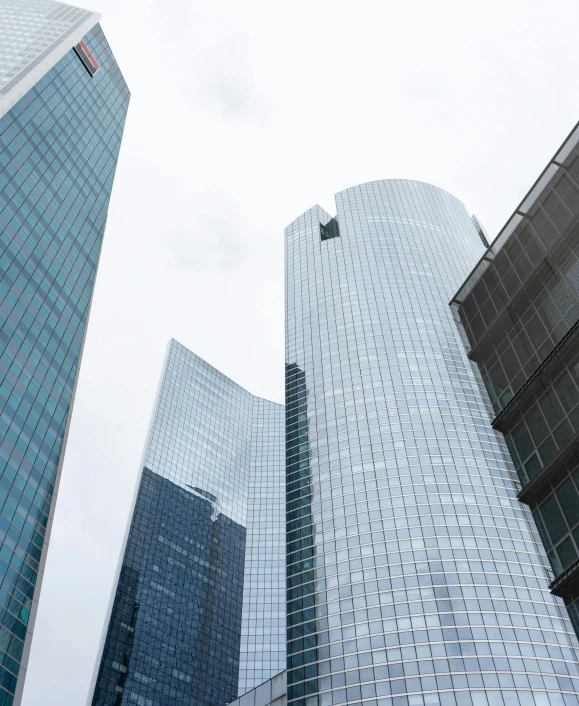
[[227, 78], [210, 242]]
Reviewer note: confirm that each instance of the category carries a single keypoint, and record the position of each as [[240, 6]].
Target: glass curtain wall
[[415, 577], [263, 619], [198, 615]]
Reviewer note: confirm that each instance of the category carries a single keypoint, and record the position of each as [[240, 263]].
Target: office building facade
[[198, 614], [60, 132], [519, 313], [272, 692], [415, 576]]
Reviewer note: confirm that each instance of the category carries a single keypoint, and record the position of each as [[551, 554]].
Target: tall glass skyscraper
[[63, 103], [415, 577], [198, 614]]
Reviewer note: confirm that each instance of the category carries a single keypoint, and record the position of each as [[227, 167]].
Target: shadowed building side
[[176, 619], [197, 615], [519, 314]]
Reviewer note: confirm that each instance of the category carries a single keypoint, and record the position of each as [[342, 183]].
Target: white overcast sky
[[243, 115]]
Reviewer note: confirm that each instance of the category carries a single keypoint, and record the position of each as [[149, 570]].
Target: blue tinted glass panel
[[58, 152]]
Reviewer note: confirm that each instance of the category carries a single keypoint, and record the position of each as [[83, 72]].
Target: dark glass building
[[61, 126], [519, 312], [198, 611]]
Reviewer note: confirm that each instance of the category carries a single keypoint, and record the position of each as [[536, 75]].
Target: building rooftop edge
[[538, 187], [28, 77], [366, 183], [258, 397], [409, 181], [303, 213]]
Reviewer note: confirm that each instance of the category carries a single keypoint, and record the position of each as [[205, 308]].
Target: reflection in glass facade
[[415, 577], [519, 312], [198, 612], [59, 146], [273, 692]]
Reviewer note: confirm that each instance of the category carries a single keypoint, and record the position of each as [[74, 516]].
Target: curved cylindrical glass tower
[[415, 577]]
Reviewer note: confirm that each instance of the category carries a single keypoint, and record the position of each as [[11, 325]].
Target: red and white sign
[[87, 58]]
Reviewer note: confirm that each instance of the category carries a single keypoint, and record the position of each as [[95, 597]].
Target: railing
[[555, 585], [526, 204], [540, 368]]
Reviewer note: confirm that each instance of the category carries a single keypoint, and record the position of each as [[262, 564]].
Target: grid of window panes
[[173, 635], [415, 577], [270, 693], [527, 299], [263, 652], [521, 319], [28, 30], [573, 608], [532, 324], [201, 435], [175, 630], [545, 417], [58, 152], [555, 507], [520, 316]]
